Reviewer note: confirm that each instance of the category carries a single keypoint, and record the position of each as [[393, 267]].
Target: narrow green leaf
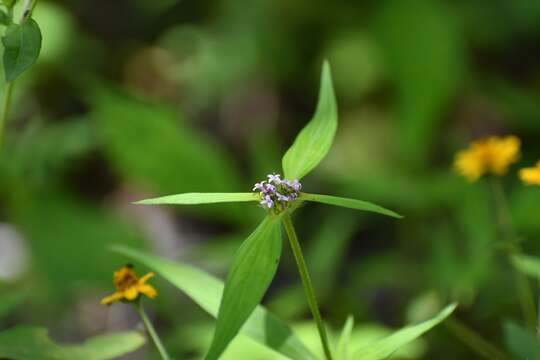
[[314, 141], [388, 345], [31, 342], [349, 203], [529, 265], [207, 291], [250, 275], [22, 44], [200, 198], [344, 343]]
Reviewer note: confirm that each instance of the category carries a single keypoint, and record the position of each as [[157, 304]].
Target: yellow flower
[[490, 155], [530, 175], [129, 286]]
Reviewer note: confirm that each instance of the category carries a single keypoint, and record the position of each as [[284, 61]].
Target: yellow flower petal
[[131, 293], [146, 277], [147, 290], [531, 175], [112, 298], [490, 155]]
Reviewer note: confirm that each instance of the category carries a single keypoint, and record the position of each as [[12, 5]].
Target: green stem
[[151, 331], [506, 227], [5, 109], [472, 339], [306, 281]]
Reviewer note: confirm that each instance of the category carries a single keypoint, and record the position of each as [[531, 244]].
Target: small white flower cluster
[[276, 193]]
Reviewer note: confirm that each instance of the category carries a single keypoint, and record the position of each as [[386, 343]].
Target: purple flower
[[296, 185], [259, 186], [281, 197], [267, 201], [269, 188], [274, 178]]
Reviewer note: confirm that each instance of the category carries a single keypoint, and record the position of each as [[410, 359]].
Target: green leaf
[[529, 265], [200, 198], [522, 343], [31, 342], [10, 300], [206, 291], [315, 139], [345, 339], [22, 44], [349, 203], [250, 275], [4, 18], [388, 345]]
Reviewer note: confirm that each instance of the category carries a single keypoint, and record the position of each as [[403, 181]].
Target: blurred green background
[[138, 98]]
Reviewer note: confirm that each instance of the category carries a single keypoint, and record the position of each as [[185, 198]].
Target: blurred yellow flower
[[531, 175], [490, 155], [129, 286]]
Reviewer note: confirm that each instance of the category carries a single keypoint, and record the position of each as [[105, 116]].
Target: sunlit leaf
[[200, 198], [207, 291], [345, 339], [314, 141], [250, 275], [31, 343], [348, 203], [22, 44], [387, 346], [529, 265]]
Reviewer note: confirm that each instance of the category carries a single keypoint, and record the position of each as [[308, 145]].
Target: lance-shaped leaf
[[207, 291], [253, 269], [349, 203], [529, 265], [200, 198], [344, 343], [387, 346], [22, 44], [31, 342], [314, 141]]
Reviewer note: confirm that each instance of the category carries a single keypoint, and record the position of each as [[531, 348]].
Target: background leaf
[[207, 291], [314, 141], [529, 265], [200, 198], [387, 346], [522, 343], [253, 269], [349, 203], [31, 343], [22, 44]]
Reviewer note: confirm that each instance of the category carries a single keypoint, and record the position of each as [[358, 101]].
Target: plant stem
[[151, 331], [306, 281], [506, 226], [5, 109], [474, 340]]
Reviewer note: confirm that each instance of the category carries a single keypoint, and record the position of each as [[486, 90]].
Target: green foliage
[[250, 275], [349, 203], [200, 198], [529, 265], [22, 44], [522, 343], [385, 347], [207, 291], [31, 343], [314, 141], [10, 300], [344, 343]]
